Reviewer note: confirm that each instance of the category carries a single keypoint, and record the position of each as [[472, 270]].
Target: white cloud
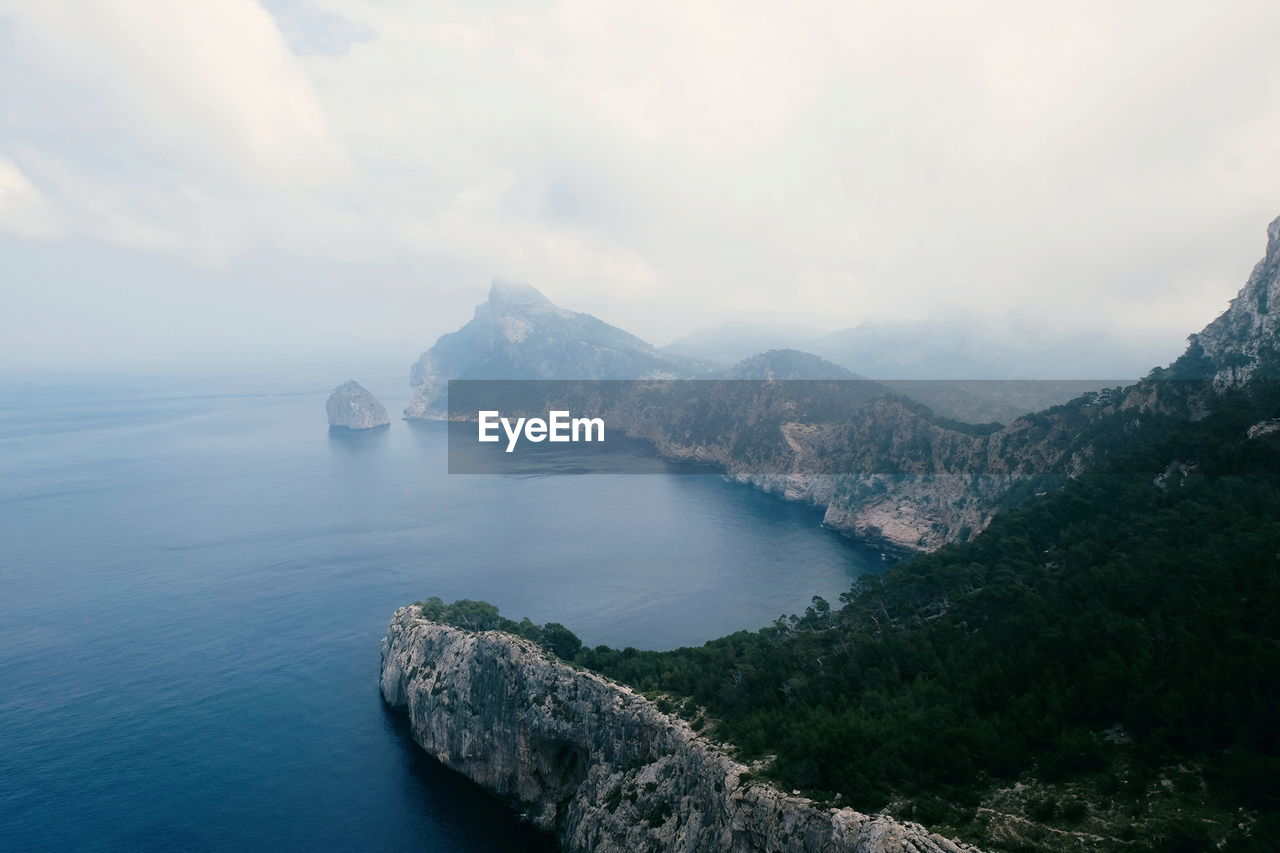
[[211, 86], [24, 210], [673, 163]]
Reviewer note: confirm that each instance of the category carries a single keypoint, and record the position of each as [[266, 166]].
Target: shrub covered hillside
[[1096, 671], [1114, 647]]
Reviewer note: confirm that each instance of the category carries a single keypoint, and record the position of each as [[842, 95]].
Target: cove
[[196, 583]]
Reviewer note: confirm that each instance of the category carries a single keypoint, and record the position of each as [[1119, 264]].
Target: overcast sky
[[295, 179]]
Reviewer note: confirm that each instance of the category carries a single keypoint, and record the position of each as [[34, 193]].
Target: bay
[[193, 587]]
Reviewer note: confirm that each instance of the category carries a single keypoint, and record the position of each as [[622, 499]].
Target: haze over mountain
[[730, 343], [882, 465], [778, 364], [517, 333], [950, 347]]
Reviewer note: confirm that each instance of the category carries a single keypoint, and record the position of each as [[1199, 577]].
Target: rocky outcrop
[[351, 406], [1246, 337], [1174, 474], [1264, 428], [517, 333], [598, 764]]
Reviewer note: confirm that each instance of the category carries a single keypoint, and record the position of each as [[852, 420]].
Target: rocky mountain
[[1244, 341], [787, 364], [970, 370], [882, 466], [905, 478], [607, 769], [351, 406], [597, 763], [517, 333]]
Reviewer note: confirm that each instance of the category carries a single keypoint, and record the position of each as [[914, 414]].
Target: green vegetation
[[483, 616], [1119, 624], [1113, 646]]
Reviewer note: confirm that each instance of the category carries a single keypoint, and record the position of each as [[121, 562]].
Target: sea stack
[[351, 406]]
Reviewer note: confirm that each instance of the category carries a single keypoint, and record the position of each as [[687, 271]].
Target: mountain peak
[[1246, 337], [787, 364], [517, 333], [504, 293]]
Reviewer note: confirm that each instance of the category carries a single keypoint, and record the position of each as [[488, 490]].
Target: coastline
[[597, 764]]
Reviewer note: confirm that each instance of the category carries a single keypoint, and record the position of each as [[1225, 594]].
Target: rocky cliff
[[1246, 337], [598, 764], [351, 406]]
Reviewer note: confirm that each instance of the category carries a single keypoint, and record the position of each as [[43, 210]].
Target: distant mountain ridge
[[939, 348], [882, 466], [943, 349], [779, 364], [732, 342]]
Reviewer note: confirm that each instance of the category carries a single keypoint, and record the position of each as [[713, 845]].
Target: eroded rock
[[351, 406], [597, 763]]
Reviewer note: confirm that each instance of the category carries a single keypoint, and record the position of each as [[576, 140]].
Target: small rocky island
[[351, 406]]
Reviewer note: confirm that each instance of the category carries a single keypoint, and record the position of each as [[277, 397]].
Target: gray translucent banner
[[756, 430]]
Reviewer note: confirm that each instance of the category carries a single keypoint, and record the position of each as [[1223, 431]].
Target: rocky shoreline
[[595, 762]]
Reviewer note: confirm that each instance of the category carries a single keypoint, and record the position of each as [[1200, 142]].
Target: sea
[[195, 576]]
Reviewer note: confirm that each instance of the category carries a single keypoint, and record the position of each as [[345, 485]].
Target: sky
[[294, 180]]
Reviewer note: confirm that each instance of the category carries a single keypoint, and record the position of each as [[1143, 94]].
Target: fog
[[335, 182]]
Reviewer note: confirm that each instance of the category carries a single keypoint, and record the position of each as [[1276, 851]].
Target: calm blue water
[[192, 591]]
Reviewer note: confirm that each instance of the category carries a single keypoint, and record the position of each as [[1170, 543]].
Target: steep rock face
[[596, 763], [351, 406], [517, 333], [1246, 336]]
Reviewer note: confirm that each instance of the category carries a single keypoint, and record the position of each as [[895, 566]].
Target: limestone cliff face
[[351, 406], [595, 762], [1247, 335]]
